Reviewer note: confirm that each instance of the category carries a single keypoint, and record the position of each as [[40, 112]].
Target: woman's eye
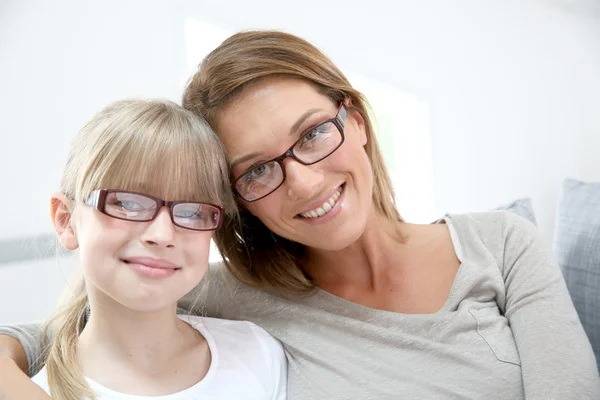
[[258, 172], [312, 135]]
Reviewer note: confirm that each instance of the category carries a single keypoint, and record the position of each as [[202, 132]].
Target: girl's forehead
[[161, 184]]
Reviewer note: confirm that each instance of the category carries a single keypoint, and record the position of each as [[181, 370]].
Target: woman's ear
[[60, 212], [360, 121]]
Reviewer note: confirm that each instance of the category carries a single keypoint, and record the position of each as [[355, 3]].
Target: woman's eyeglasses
[[317, 144]]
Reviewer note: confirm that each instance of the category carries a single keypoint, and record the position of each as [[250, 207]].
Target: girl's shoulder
[[245, 353], [240, 339], [41, 379], [227, 330]]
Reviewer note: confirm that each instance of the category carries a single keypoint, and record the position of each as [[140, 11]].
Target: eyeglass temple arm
[[93, 199], [341, 116]]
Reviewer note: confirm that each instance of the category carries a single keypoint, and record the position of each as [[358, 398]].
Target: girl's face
[[263, 123], [144, 266]]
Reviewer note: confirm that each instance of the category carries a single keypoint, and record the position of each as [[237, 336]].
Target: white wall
[[29, 291], [513, 89], [60, 62]]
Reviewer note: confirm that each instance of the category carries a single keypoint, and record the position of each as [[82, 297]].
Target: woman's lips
[[331, 213]]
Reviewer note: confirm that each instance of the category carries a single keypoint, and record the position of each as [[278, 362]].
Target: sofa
[[577, 248]]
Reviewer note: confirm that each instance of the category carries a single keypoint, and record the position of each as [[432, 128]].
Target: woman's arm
[[14, 384], [214, 295], [22, 344], [11, 348], [557, 360]]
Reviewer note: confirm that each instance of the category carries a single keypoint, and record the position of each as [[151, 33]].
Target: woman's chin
[[335, 241]]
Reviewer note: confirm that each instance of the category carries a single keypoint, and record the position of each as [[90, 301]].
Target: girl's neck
[[120, 346]]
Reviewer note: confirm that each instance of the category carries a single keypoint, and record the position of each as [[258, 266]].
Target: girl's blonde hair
[[148, 146], [253, 253]]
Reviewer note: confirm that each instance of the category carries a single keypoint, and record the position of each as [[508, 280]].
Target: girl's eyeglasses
[[138, 207]]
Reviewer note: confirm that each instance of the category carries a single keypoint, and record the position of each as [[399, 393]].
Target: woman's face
[[325, 205]]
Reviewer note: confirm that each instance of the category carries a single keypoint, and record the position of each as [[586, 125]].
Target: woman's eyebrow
[[303, 118], [243, 159], [293, 130]]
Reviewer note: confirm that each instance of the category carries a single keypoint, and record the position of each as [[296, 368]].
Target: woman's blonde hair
[[148, 146], [253, 253]]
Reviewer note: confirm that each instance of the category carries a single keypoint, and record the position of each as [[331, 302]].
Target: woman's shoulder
[[496, 224], [496, 232], [485, 219]]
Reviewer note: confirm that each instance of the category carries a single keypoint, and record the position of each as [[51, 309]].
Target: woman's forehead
[[273, 97], [269, 112]]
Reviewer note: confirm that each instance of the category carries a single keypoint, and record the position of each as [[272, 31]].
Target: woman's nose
[[302, 180]]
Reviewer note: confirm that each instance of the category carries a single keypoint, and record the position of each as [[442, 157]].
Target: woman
[[366, 304]]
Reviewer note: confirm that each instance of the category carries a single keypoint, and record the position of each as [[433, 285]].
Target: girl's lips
[[151, 267], [151, 262]]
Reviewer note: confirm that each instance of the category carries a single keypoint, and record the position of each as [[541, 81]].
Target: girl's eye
[[190, 214], [129, 205]]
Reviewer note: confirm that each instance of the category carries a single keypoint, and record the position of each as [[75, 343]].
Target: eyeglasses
[[137, 207], [317, 144]]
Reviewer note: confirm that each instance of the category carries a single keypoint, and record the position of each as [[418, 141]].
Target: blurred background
[[477, 102]]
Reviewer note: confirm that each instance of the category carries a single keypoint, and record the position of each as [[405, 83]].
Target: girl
[[142, 191]]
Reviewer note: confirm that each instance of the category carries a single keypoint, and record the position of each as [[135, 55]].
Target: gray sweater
[[507, 331]]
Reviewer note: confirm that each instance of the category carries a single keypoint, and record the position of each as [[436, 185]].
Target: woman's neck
[[380, 248]]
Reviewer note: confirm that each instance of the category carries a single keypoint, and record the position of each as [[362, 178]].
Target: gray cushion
[[577, 248], [522, 207]]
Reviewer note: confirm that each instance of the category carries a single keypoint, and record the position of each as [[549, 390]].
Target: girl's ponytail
[[65, 377]]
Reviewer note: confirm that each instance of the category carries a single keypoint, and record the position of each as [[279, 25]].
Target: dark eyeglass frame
[[339, 121], [97, 199]]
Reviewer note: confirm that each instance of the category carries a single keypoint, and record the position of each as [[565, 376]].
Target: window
[[401, 122]]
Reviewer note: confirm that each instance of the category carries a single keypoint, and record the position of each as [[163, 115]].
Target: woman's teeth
[[325, 207]]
